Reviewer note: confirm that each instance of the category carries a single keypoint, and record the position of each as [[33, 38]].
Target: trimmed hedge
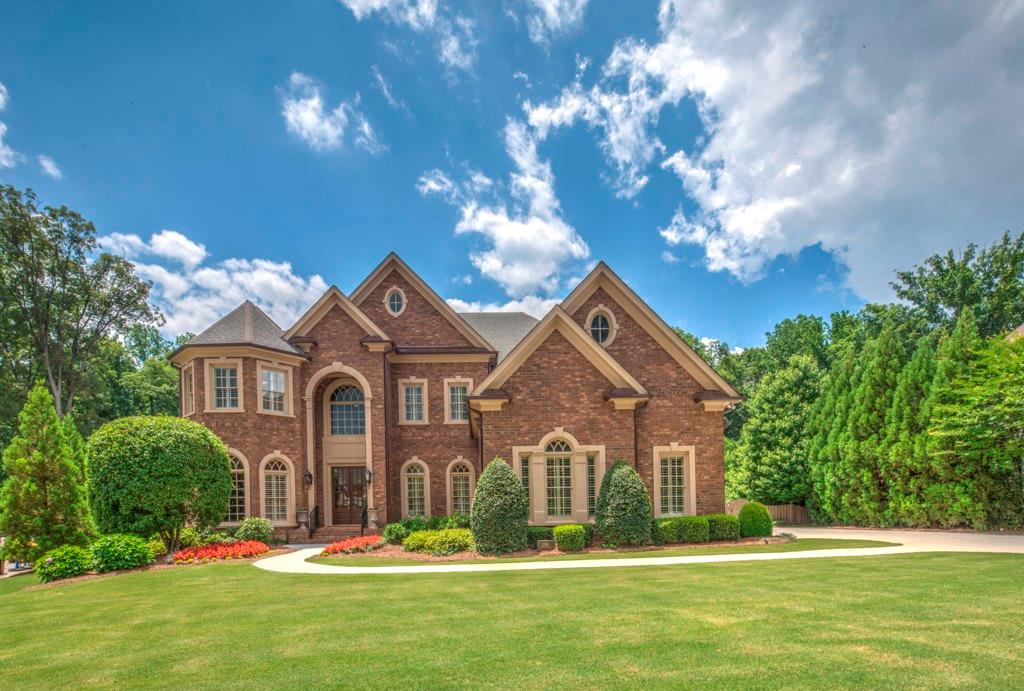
[[64, 562], [623, 510], [538, 532], [394, 534], [440, 543], [256, 528], [722, 526], [500, 510], [665, 531], [570, 538], [692, 529], [755, 521], [115, 552]]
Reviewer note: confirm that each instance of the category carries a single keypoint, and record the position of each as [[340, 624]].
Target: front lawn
[[794, 546], [918, 620]]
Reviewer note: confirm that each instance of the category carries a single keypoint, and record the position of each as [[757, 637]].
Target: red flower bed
[[239, 550], [365, 543]]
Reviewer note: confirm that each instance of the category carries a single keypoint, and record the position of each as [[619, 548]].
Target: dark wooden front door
[[348, 490]]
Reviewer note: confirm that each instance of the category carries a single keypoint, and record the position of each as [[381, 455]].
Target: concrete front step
[[329, 534]]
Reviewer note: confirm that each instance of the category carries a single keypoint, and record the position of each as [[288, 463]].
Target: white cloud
[[824, 124], [306, 117], [386, 91], [192, 295], [50, 167], [529, 243], [453, 33], [8, 156], [668, 257], [3, 96], [547, 18], [531, 304]]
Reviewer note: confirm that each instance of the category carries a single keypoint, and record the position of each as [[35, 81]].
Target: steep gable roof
[[247, 324], [603, 277], [503, 330], [394, 263], [560, 320], [333, 297]]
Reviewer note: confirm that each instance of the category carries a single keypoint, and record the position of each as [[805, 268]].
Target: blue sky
[[736, 164]]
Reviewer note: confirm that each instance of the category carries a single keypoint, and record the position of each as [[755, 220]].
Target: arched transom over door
[[344, 451]]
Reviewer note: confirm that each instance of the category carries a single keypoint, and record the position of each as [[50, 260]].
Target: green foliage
[[570, 538], [157, 547], [42, 502], [664, 531], [623, 509], [115, 552], [440, 543], [157, 475], [500, 510], [538, 532], [692, 529], [153, 388], [755, 521], [394, 534], [722, 526], [457, 520], [435, 522], [255, 528], [189, 537], [64, 562]]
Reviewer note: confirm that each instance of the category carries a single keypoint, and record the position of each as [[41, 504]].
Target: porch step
[[329, 534]]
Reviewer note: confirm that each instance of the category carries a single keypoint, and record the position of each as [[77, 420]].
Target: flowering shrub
[[239, 550], [364, 543]]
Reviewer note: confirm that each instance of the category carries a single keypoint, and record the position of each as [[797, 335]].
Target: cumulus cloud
[[8, 156], [321, 129], [548, 18], [529, 243], [50, 167], [880, 132], [193, 294], [531, 304], [454, 34]]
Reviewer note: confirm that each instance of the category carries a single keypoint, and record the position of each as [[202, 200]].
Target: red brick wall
[[420, 324], [671, 414]]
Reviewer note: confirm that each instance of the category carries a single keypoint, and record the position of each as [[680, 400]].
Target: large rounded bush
[[500, 510], [755, 521], [623, 510], [115, 552], [64, 562], [157, 475], [256, 528]]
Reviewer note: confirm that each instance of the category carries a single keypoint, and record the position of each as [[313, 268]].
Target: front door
[[348, 490]]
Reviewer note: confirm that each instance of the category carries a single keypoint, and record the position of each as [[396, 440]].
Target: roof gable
[[247, 324], [559, 320], [603, 277], [394, 263], [333, 297]]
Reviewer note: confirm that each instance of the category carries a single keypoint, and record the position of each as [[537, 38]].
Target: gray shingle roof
[[246, 324], [503, 330]]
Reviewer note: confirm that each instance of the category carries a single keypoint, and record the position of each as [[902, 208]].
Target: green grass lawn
[[794, 546], [917, 620]]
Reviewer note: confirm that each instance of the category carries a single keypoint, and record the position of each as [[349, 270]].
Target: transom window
[[458, 402], [275, 490], [395, 301], [413, 402], [600, 327], [348, 411], [273, 390], [559, 478], [461, 478], [236, 502], [415, 493], [225, 387], [673, 485]]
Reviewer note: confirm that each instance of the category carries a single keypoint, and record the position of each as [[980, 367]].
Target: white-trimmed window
[[272, 389], [348, 411], [601, 325], [188, 390], [413, 401], [460, 487], [236, 502], [415, 489], [591, 484], [394, 301], [673, 485], [456, 401], [277, 499], [559, 478], [524, 472], [225, 387]]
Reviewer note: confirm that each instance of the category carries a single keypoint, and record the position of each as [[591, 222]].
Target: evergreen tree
[[828, 423], [42, 501]]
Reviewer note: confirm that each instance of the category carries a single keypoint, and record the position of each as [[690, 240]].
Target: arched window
[[602, 326], [348, 410], [394, 301], [275, 491], [415, 489], [236, 503], [558, 456], [460, 487]]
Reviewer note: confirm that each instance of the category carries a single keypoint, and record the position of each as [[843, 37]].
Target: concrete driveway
[[921, 540]]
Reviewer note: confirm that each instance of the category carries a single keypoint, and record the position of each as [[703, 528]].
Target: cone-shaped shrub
[[623, 509], [500, 510]]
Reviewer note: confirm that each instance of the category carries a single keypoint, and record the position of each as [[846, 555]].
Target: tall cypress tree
[[828, 422]]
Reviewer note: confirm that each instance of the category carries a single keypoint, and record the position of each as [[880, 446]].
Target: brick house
[[387, 400]]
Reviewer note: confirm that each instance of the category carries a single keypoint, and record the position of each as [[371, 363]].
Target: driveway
[[921, 540]]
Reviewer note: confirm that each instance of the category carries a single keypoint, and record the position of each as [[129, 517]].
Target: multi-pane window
[[591, 483], [236, 502], [600, 328], [413, 402], [188, 391], [225, 387], [458, 402], [673, 485], [273, 390], [524, 470], [461, 474], [395, 301], [559, 478], [275, 491], [348, 410], [415, 492]]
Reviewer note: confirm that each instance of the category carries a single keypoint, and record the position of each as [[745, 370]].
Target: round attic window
[[394, 301], [602, 326]]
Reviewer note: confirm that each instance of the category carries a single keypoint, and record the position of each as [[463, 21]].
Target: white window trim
[[248, 488], [289, 522], [689, 476], [289, 410], [402, 385], [448, 383], [538, 477], [387, 304], [188, 382], [613, 325], [208, 384], [405, 486], [472, 482]]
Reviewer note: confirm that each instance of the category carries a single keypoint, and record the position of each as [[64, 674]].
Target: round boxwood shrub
[[500, 510], [623, 509], [570, 538], [755, 521], [722, 526], [157, 474], [64, 562], [114, 552], [255, 528], [394, 534]]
